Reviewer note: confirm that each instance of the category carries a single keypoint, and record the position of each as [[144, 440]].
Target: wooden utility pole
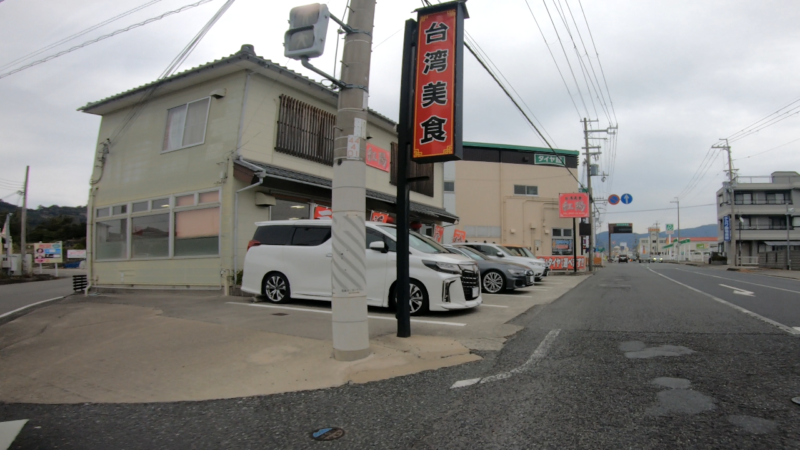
[[732, 259], [24, 222]]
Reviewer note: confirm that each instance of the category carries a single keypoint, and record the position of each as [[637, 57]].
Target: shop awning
[[246, 170], [782, 243]]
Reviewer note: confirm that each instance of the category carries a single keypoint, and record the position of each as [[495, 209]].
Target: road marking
[[511, 295], [494, 306], [31, 305], [738, 281], [322, 311], [9, 432], [738, 291], [738, 308], [538, 355], [797, 328]]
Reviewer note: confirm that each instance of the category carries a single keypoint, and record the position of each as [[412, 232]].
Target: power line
[[660, 209], [103, 37], [563, 18], [767, 117], [772, 121], [765, 151], [569, 92], [78, 34], [599, 63], [565, 56]]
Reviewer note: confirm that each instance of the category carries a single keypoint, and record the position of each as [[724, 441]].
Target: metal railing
[[752, 180], [758, 201]]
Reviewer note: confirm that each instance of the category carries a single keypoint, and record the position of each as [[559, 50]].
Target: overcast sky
[[681, 75]]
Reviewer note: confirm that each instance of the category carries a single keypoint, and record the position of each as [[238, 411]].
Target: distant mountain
[[701, 231], [46, 223]]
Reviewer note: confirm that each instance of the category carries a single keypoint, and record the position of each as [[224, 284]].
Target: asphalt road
[[628, 359], [777, 299], [19, 295]]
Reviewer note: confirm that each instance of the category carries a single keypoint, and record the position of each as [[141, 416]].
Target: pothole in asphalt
[[681, 401], [672, 383], [755, 425], [639, 350]]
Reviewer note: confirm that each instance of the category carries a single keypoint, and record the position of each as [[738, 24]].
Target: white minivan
[[292, 259]]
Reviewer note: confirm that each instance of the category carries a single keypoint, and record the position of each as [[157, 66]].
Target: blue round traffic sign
[[613, 199], [626, 199]]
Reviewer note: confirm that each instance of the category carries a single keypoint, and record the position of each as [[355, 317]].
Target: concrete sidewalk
[[147, 347]]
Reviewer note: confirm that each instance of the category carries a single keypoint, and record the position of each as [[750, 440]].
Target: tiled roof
[[304, 178], [246, 53]]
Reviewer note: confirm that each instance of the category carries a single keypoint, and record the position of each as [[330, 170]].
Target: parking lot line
[[323, 311], [494, 306], [511, 295]]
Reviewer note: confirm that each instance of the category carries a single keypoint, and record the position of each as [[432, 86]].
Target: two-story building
[[186, 165], [508, 194], [762, 212]]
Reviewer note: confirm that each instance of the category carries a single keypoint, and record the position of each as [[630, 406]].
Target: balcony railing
[[762, 227], [761, 179], [759, 201]]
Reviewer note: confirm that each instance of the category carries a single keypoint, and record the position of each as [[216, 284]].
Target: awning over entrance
[[298, 182]]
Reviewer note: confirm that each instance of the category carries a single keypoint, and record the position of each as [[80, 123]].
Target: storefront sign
[[549, 160], [573, 205], [323, 212], [76, 254], [438, 73], [47, 253], [459, 236], [378, 157], [726, 228], [563, 262], [562, 247], [620, 228], [438, 233], [379, 217]]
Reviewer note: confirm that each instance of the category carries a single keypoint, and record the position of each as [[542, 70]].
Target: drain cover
[[327, 434], [796, 400], [280, 314]]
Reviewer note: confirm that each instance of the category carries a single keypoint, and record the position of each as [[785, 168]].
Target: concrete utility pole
[[24, 222], [586, 138], [349, 306], [678, 201], [732, 259]]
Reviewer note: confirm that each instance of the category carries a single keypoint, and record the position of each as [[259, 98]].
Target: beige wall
[[485, 197]]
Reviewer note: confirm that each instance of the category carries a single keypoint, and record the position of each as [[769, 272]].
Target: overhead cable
[[765, 151], [599, 63], [103, 37], [565, 56], [660, 209], [77, 35]]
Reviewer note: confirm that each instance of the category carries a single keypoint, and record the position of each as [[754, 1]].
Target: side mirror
[[500, 255], [379, 246]]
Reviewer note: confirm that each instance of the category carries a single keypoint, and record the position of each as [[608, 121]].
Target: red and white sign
[[563, 262], [323, 212], [379, 217], [573, 205], [378, 157], [435, 103], [438, 233], [459, 236]]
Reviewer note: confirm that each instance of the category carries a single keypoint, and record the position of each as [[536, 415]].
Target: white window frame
[[171, 210], [205, 125]]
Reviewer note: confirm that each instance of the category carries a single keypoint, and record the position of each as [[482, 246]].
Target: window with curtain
[[197, 232], [150, 236], [186, 125], [111, 239]]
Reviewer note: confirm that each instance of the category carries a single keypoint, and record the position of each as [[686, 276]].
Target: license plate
[[475, 292]]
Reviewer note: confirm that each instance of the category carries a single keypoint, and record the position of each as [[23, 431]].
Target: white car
[[292, 259], [538, 266]]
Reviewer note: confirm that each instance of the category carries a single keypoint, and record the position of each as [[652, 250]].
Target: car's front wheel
[[493, 282], [276, 288], [417, 298]]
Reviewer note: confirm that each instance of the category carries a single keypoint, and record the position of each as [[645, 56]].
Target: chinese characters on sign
[[573, 205], [378, 157], [438, 233], [459, 236], [436, 136]]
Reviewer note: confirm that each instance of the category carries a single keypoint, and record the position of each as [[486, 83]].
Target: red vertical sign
[[438, 233], [459, 236], [436, 91]]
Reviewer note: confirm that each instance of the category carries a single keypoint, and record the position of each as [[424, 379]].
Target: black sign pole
[[574, 248], [404, 136], [610, 228]]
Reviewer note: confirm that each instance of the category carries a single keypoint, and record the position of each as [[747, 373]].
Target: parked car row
[[292, 259]]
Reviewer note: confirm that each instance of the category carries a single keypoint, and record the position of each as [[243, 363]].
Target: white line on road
[[538, 354], [510, 295], [739, 281], [797, 328], [322, 311], [9, 432], [494, 306], [738, 291], [738, 308], [29, 306]]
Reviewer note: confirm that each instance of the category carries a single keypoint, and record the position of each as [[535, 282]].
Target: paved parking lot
[[147, 347]]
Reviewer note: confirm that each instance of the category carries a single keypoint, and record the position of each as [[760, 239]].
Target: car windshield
[[524, 252], [474, 254], [417, 242], [507, 251]]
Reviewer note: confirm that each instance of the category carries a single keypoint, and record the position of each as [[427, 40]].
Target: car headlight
[[518, 272], [443, 267], [469, 267]]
